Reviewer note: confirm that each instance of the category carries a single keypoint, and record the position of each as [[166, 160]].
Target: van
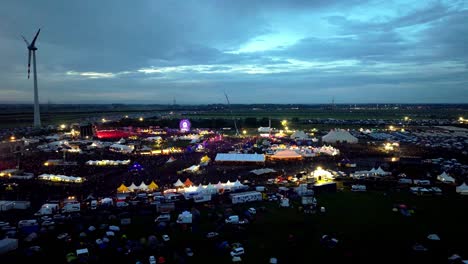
[[121, 204], [71, 208], [233, 219], [163, 218], [24, 223], [93, 205]]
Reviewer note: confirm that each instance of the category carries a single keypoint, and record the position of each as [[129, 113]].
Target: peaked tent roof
[[132, 187], [188, 182], [178, 183], [462, 188], [286, 154], [122, 188], [299, 134], [341, 135], [171, 159], [205, 158], [143, 186], [153, 186]]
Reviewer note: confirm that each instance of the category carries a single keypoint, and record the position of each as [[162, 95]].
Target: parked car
[[189, 252], [166, 238], [237, 251], [152, 260], [163, 218], [212, 234], [252, 211]]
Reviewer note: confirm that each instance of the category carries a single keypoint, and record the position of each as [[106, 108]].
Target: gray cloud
[[97, 51]]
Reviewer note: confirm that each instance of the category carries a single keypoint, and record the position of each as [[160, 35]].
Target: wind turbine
[[32, 49]]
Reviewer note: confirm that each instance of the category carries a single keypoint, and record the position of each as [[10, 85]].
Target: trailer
[[202, 198], [245, 197]]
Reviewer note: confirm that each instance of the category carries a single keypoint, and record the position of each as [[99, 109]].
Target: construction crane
[[232, 116]]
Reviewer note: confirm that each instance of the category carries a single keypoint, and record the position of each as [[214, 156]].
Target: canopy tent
[[188, 182], [219, 185], [143, 187], [238, 184], [60, 178], [132, 187], [121, 148], [319, 172], [380, 172], [205, 160], [339, 135], [235, 157], [200, 188], [262, 171], [445, 178], [286, 154], [122, 189], [211, 189], [462, 189], [153, 186], [178, 183], [193, 168], [299, 135], [171, 159]]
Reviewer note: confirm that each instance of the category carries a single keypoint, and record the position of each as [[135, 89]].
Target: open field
[[364, 223], [16, 117]]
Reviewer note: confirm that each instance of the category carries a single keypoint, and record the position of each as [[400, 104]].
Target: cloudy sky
[[258, 51]]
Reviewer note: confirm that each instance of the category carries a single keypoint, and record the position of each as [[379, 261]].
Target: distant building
[[86, 130], [9, 149]]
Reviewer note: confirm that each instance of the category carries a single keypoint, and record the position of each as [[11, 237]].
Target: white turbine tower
[[32, 49]]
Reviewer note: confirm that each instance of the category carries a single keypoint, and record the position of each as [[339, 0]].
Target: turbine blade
[[29, 63], [27, 43], [34, 40]]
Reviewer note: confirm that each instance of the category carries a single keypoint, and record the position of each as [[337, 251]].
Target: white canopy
[[299, 135], [143, 187], [178, 183], [262, 171], [132, 187], [235, 157], [444, 177], [462, 189], [339, 135]]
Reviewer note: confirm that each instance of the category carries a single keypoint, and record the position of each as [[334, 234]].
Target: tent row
[[107, 162], [188, 186], [60, 178], [133, 188], [371, 173]]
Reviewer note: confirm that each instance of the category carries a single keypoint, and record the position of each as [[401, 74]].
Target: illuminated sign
[[184, 125]]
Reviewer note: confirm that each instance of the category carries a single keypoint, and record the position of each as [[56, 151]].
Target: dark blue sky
[[258, 51]]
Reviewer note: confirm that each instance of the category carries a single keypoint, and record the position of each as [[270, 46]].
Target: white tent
[[235, 157], [339, 135], [462, 189], [210, 188], [262, 171], [299, 135], [200, 188], [121, 148], [238, 185], [132, 187], [143, 187], [178, 183], [219, 185], [171, 159], [380, 172], [445, 178], [193, 168]]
